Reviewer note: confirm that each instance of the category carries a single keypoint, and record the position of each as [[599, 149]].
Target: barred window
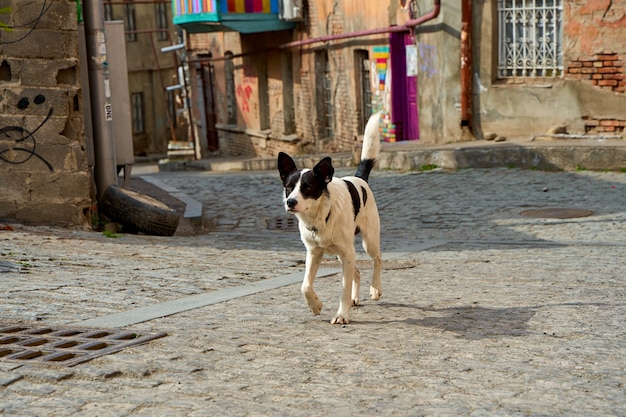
[[162, 24], [137, 109], [129, 21], [530, 38]]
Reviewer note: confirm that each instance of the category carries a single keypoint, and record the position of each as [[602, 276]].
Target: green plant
[[427, 167], [510, 166], [111, 234], [4, 26], [622, 169], [580, 168]]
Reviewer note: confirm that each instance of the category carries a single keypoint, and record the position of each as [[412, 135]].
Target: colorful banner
[[182, 7], [381, 56], [249, 6]]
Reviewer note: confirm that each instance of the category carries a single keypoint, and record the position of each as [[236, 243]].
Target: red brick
[[609, 129], [609, 122], [592, 122], [608, 70], [597, 77], [610, 83], [587, 58], [607, 57], [589, 70], [574, 70], [618, 77], [588, 63], [575, 64]]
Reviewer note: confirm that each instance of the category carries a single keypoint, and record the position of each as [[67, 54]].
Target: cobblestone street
[[485, 311]]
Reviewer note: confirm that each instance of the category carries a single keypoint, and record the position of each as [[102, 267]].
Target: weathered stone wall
[[588, 97], [44, 177]]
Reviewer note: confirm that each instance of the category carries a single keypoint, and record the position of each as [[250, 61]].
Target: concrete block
[[46, 212], [46, 44]]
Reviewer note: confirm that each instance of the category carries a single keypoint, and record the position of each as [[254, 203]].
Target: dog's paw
[[355, 301], [339, 319], [375, 293], [315, 306]]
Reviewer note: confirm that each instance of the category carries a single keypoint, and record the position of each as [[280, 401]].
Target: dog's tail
[[371, 147]]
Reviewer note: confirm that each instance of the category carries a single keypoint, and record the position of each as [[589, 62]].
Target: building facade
[[510, 67], [156, 112]]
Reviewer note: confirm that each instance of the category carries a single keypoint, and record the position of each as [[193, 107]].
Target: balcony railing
[[246, 16]]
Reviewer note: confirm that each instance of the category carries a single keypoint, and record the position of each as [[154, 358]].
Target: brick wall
[[604, 70], [44, 177], [606, 126]]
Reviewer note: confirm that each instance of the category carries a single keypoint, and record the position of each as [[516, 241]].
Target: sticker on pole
[[108, 112]]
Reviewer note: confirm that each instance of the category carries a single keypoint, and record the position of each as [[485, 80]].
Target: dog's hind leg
[[372, 247], [356, 285], [313, 259], [348, 265]]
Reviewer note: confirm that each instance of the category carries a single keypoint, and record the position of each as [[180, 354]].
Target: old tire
[[138, 212]]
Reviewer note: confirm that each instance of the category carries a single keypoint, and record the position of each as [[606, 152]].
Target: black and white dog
[[330, 212]]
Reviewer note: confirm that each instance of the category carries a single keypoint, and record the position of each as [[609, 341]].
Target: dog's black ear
[[286, 166], [324, 170]]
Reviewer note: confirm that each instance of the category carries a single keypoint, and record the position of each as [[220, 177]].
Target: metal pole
[[466, 63], [105, 171]]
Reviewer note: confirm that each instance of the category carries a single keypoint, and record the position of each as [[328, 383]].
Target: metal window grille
[[530, 38], [137, 103], [108, 12], [160, 11], [364, 87], [129, 21], [231, 96], [328, 100]]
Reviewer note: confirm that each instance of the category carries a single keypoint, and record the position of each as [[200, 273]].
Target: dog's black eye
[[288, 191]]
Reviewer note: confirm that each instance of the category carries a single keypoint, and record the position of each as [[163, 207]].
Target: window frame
[[138, 112], [529, 39]]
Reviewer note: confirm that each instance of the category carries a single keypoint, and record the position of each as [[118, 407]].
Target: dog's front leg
[[348, 263], [313, 259]]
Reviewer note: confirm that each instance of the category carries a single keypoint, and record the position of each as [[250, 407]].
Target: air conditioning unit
[[291, 10]]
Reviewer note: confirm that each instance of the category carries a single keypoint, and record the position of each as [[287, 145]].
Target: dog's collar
[[314, 229]]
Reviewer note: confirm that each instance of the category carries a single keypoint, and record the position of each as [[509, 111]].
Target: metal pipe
[[105, 170], [409, 25], [466, 63]]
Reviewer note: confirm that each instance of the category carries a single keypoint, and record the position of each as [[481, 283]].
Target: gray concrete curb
[[565, 155]]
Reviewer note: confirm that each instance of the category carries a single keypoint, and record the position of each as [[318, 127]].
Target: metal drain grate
[[64, 346], [283, 222]]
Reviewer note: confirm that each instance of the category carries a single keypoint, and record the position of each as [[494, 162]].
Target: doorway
[[207, 74], [404, 107]]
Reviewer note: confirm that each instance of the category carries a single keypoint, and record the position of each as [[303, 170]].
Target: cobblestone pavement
[[484, 311]]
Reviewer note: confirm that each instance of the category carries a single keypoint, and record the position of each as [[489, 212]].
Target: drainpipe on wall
[[105, 170], [466, 63], [409, 25]]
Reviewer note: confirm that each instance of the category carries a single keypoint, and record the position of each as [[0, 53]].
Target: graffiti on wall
[[31, 25], [18, 144], [428, 59]]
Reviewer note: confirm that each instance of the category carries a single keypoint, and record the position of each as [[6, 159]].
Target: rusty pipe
[[409, 25], [466, 62]]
